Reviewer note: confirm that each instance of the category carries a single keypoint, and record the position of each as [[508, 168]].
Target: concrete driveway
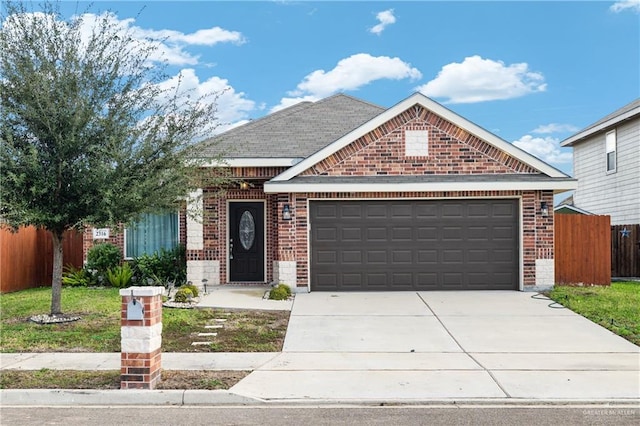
[[405, 346]]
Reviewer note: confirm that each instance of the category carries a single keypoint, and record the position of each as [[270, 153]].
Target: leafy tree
[[90, 131]]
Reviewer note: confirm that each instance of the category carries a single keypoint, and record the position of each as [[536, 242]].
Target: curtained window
[[152, 233]]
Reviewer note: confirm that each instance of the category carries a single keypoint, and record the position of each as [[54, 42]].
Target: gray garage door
[[414, 245]]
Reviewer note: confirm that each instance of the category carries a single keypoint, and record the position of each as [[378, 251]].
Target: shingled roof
[[627, 112], [294, 132]]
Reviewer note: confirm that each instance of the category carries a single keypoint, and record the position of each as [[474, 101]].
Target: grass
[[99, 328], [616, 308]]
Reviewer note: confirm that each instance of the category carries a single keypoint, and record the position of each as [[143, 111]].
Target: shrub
[[280, 292], [76, 277], [120, 276], [102, 257], [183, 295], [162, 267], [194, 290]]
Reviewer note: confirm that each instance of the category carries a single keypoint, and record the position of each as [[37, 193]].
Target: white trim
[[436, 108], [264, 240], [521, 248], [254, 162], [591, 130], [508, 197], [275, 188]]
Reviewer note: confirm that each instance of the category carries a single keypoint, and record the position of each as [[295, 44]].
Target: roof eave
[[418, 98], [274, 187], [254, 162], [572, 140]]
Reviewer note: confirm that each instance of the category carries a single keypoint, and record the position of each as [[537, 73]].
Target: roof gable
[[450, 150], [393, 116]]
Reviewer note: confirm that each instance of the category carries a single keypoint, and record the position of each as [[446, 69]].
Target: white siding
[[615, 194]]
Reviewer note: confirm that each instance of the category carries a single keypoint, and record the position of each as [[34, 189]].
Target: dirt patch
[[74, 379]]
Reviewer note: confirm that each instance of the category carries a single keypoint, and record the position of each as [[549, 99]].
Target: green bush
[[76, 277], [120, 276], [162, 267], [102, 257], [280, 292], [194, 290], [183, 295]]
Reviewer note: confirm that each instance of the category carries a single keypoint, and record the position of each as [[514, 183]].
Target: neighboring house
[[566, 207], [606, 162], [343, 195]]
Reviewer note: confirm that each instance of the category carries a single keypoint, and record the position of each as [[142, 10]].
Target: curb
[[137, 397], [62, 397]]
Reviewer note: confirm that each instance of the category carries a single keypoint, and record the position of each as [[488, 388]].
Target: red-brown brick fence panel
[[582, 249]]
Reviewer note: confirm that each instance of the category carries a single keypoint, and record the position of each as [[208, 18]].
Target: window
[[611, 151], [152, 233]]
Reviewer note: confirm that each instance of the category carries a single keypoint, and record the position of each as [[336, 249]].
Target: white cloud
[[633, 5], [385, 18], [170, 43], [232, 107], [478, 80], [547, 149], [349, 74], [555, 128]]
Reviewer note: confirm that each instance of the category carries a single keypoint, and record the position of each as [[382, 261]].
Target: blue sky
[[531, 72]]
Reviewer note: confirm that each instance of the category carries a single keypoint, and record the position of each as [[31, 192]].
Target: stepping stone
[[200, 343], [207, 334], [214, 326], [220, 320]]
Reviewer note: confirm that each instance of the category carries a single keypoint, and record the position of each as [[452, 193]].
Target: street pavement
[[399, 347]]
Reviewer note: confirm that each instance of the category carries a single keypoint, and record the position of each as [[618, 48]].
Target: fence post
[[141, 337]]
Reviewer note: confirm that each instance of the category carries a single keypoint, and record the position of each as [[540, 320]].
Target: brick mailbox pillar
[[141, 337]]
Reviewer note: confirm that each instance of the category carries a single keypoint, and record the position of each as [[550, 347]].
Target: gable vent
[[416, 143]]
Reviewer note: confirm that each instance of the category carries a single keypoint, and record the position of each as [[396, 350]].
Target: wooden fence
[[582, 249], [26, 257], [625, 251]]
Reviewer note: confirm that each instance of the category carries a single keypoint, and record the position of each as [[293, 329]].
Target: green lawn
[[99, 328], [616, 308]]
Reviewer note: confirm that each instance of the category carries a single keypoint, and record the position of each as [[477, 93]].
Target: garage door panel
[[452, 256], [427, 257], [326, 256], [351, 233], [376, 211], [404, 257], [427, 233], [401, 234], [326, 234], [377, 257], [414, 245], [352, 256], [452, 210], [377, 234], [326, 211]]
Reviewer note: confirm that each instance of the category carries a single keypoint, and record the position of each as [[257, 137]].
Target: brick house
[[343, 195]]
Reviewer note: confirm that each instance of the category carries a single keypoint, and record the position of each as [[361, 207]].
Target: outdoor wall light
[[286, 212], [244, 185], [544, 209]]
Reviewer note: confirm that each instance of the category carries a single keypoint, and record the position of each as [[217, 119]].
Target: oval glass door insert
[[247, 230]]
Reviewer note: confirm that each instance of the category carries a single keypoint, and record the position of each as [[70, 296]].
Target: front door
[[246, 241]]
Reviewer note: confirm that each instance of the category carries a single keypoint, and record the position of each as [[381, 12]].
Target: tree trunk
[[56, 282]]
